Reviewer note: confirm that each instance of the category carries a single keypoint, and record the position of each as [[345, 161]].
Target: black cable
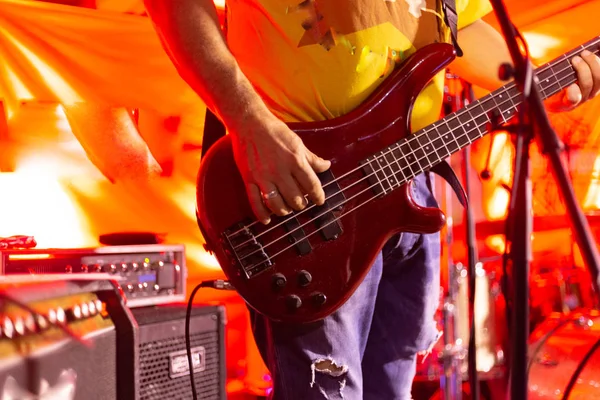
[[579, 370], [215, 284]]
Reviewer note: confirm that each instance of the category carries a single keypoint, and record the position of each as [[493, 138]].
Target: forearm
[[484, 51], [191, 35]]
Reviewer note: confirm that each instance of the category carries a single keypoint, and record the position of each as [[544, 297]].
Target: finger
[[594, 64], [310, 184], [272, 199], [291, 193], [317, 163], [571, 96], [584, 77], [259, 209]]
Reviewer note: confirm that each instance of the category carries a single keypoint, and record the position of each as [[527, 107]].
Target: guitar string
[[417, 161], [506, 88], [566, 79], [420, 169], [319, 229], [412, 138], [570, 77]]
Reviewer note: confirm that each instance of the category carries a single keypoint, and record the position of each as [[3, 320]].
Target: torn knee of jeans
[[425, 353], [334, 374]]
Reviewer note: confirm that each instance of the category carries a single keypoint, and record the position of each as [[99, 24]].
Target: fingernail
[[585, 53], [574, 96], [576, 60], [266, 221]]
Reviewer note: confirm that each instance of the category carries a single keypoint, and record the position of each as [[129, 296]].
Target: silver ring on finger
[[270, 195]]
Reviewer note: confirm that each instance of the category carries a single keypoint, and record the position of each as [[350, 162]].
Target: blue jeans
[[367, 349]]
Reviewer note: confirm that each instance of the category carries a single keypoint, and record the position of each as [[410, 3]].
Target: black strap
[[213, 130], [451, 20], [213, 127], [444, 170]]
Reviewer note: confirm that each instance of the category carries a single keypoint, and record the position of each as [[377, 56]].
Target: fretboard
[[411, 156]]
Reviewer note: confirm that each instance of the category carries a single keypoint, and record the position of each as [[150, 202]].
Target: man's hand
[[276, 166], [587, 66]]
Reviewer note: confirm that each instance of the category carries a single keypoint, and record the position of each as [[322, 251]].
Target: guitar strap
[[214, 129], [451, 20]]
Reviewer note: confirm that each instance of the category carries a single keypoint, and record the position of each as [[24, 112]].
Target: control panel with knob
[[150, 274]]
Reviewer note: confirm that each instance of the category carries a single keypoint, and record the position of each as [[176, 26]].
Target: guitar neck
[[433, 144]]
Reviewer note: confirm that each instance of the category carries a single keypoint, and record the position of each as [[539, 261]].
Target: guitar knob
[[319, 299], [304, 278], [293, 302], [279, 281]]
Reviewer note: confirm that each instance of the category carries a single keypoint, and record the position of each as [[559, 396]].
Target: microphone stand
[[533, 120], [469, 220]]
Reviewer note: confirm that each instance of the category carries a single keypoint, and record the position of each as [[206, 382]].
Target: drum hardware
[[452, 356], [488, 320], [449, 364], [564, 357], [562, 289], [458, 94], [446, 365], [584, 322], [546, 361]]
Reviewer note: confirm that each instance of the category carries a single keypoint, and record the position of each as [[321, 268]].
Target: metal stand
[[471, 240], [454, 352], [533, 119]]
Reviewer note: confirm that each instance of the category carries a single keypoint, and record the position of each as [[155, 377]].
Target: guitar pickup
[[298, 236], [334, 196], [328, 224]]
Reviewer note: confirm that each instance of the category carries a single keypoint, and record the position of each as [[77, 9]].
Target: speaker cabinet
[[57, 342], [154, 354]]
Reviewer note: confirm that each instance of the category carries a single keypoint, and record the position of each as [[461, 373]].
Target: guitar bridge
[[247, 250]]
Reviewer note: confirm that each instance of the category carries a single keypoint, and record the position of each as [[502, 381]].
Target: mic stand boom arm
[[538, 126]]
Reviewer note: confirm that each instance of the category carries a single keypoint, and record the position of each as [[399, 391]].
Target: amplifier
[[57, 340], [149, 274], [152, 356]]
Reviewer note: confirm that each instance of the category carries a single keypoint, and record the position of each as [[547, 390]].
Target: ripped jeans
[[367, 349]]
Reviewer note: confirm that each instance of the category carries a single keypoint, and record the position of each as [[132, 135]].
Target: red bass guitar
[[302, 267]]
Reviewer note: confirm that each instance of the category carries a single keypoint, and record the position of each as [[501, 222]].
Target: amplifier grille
[[155, 382]]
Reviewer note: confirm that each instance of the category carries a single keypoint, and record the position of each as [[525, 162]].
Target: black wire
[[579, 370], [188, 345], [214, 284]]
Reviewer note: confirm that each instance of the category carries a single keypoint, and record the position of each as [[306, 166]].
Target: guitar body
[[302, 267]]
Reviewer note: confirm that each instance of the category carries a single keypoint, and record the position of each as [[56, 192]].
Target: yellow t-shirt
[[319, 59]]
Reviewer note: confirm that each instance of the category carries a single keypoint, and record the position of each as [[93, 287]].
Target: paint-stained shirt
[[319, 59]]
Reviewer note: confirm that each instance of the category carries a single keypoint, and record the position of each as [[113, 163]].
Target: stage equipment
[[558, 286], [533, 120], [57, 340], [457, 95], [152, 274], [489, 322], [152, 354], [277, 268], [564, 357]]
